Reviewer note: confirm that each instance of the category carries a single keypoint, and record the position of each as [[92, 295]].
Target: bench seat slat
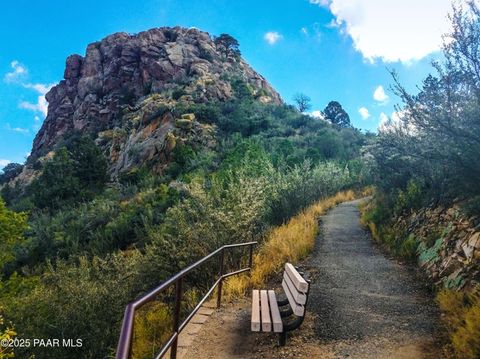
[[297, 309], [265, 311], [299, 282], [276, 318], [255, 311]]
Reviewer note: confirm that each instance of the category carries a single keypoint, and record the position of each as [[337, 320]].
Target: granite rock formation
[[115, 91]]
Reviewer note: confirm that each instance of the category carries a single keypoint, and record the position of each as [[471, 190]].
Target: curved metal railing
[[124, 347]]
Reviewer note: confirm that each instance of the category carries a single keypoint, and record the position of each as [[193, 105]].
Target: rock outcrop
[[115, 91], [449, 249]]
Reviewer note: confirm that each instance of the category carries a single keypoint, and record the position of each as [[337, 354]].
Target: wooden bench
[[270, 314]]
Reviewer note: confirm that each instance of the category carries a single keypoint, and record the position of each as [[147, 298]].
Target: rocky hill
[[124, 89]]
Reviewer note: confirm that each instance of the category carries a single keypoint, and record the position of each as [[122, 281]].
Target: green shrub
[[98, 227], [178, 92], [408, 247], [12, 230], [88, 301], [410, 199], [205, 54], [241, 88], [75, 174]]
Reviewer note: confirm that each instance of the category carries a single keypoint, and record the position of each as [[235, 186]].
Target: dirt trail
[[362, 305]]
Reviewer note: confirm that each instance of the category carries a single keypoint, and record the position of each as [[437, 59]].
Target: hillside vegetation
[[85, 238]]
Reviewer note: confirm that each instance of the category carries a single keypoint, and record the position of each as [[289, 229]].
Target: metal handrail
[[125, 341]]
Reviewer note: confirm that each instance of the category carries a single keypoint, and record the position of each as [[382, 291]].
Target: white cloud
[[272, 37], [17, 129], [42, 104], [317, 114], [40, 88], [396, 30], [364, 113], [314, 31], [4, 162], [18, 75], [380, 95], [29, 106], [18, 72]]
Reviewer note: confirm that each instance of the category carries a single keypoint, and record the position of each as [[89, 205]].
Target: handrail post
[[219, 293], [125, 343], [176, 317]]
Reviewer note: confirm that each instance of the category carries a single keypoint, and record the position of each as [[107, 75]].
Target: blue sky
[[328, 49]]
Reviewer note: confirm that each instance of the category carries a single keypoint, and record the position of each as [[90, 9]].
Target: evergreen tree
[[58, 183], [227, 45], [76, 173], [335, 113]]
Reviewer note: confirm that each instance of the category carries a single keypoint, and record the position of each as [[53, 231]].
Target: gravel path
[[363, 300], [362, 305]]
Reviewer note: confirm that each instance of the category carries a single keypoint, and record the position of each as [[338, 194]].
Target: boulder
[[474, 240]]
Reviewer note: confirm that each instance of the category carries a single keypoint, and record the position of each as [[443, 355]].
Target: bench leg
[[283, 339]]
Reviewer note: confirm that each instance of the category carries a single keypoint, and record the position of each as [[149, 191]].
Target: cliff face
[[116, 90]]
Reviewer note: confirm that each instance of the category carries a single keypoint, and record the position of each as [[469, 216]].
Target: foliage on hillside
[[236, 208], [428, 156], [91, 246]]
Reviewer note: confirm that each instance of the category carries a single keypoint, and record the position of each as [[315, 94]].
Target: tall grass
[[461, 315], [289, 242]]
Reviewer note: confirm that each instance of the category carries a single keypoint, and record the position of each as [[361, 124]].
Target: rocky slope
[[449, 249], [123, 89]]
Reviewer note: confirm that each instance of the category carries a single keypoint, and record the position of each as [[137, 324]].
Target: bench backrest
[[296, 289]]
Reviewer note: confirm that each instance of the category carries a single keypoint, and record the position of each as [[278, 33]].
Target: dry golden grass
[[461, 314], [365, 221], [290, 242], [153, 326]]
